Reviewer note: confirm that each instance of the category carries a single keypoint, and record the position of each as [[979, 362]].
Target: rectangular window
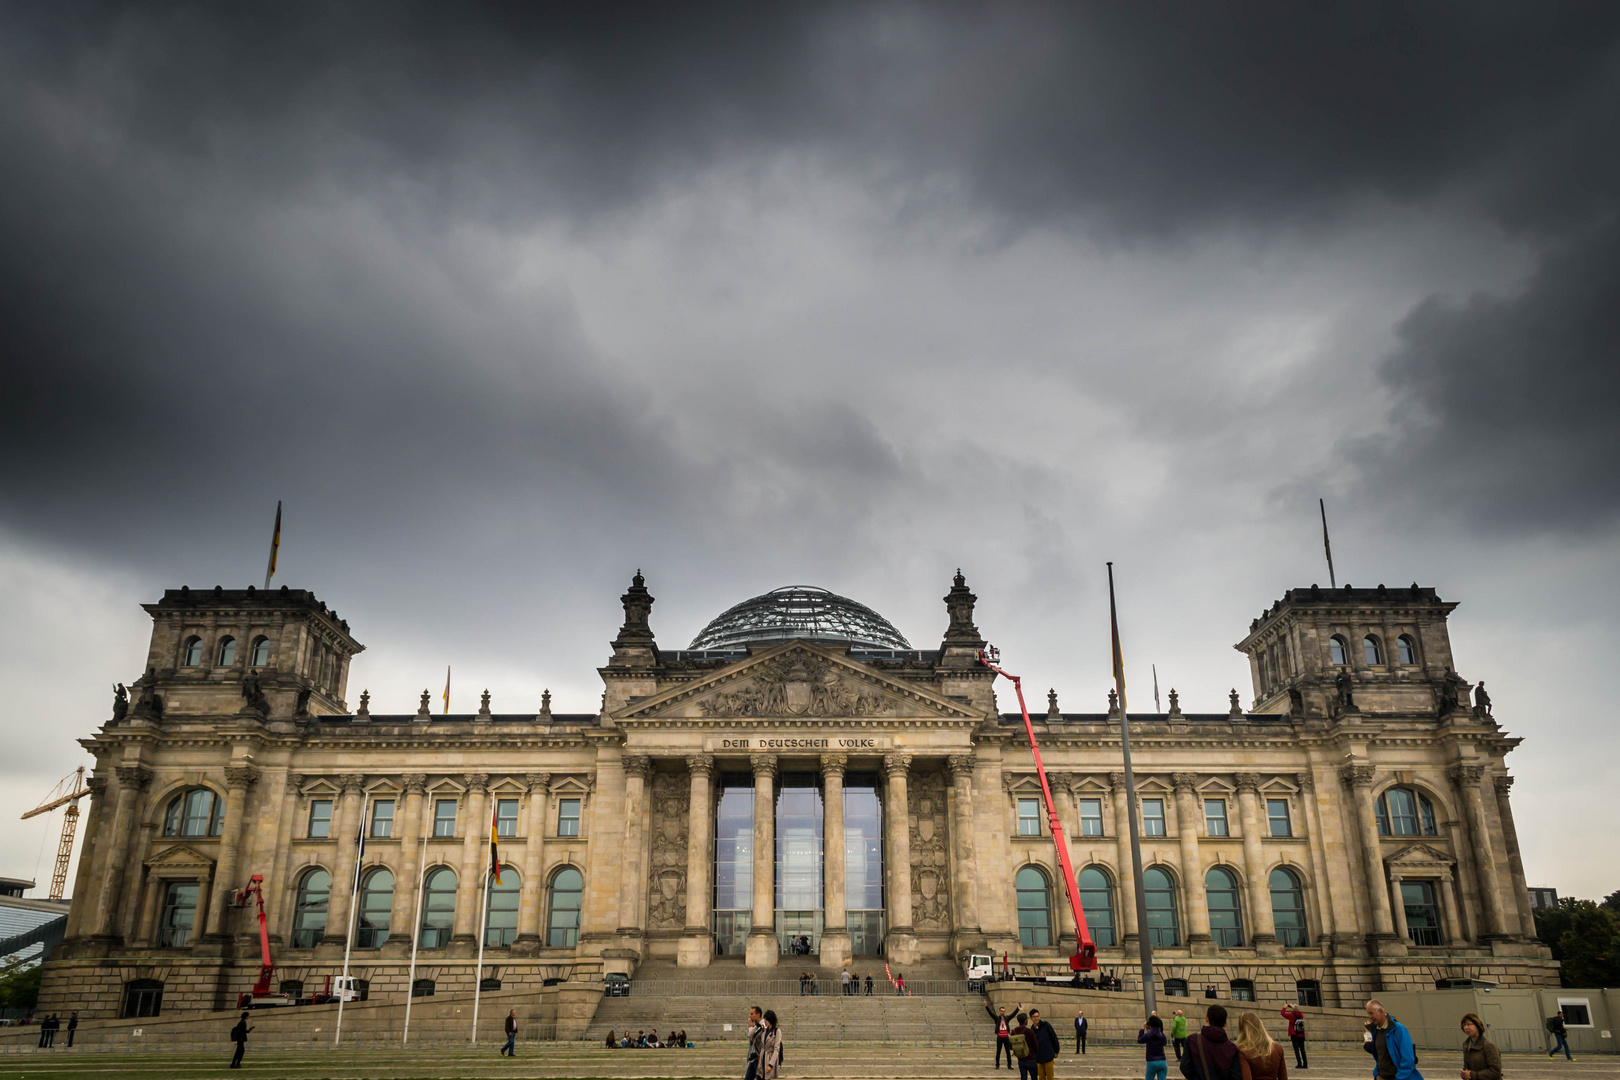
[[1091, 817], [382, 817], [1029, 817], [444, 817], [178, 915], [1215, 817], [320, 819], [567, 817], [1153, 817], [506, 811], [1422, 912], [1577, 1011], [1277, 814]]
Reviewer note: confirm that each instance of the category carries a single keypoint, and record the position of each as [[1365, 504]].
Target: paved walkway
[[555, 1062]]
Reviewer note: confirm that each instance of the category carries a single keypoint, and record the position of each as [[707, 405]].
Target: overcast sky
[[507, 303]]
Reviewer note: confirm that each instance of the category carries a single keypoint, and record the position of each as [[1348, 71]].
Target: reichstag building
[[798, 773]]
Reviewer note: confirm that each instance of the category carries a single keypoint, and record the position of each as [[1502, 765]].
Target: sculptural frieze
[[797, 685]]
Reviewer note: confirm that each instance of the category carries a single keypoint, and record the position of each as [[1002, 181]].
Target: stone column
[[409, 878], [964, 866], [1127, 879], [1063, 804], [278, 883], [762, 948], [631, 884], [530, 894], [470, 881], [696, 947], [1448, 909], [344, 829], [237, 781], [1401, 930], [900, 941], [1359, 779], [1317, 842], [93, 825], [1192, 865], [131, 781], [1467, 778], [1262, 929], [1510, 834], [129, 924], [835, 939]]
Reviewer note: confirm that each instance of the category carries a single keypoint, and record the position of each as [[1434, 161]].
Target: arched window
[[1097, 898], [500, 922], [1403, 812], [260, 656], [562, 927], [1159, 892], [1406, 649], [227, 651], [191, 654], [1225, 910], [1372, 649], [1288, 909], [198, 812], [376, 906], [1242, 989], [142, 997], [309, 909], [1339, 651], [438, 908], [1034, 908]]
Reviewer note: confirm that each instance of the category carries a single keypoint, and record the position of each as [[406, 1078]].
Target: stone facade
[[1350, 833]]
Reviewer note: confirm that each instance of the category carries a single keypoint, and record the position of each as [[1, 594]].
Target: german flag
[[275, 546], [494, 850]]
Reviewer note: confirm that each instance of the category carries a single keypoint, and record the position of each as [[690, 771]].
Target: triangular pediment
[[179, 857], [797, 680], [1415, 856]]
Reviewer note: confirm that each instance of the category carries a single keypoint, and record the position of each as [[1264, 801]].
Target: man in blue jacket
[[1390, 1044]]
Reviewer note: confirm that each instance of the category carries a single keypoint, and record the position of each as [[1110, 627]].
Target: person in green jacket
[[1178, 1033]]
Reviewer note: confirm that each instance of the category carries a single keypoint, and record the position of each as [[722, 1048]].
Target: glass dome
[[799, 611]]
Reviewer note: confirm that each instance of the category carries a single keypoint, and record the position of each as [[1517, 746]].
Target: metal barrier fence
[[780, 988], [1512, 1040]]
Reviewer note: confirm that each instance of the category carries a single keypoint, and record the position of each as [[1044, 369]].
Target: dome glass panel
[[799, 611]]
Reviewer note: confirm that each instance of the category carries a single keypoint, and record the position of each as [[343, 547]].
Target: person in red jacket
[[1296, 1033]]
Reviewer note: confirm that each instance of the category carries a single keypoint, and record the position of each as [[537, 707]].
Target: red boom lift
[[260, 994], [1086, 958]]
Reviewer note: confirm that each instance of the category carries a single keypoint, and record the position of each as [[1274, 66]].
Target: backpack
[[1550, 1020], [1020, 1046], [1299, 1027]]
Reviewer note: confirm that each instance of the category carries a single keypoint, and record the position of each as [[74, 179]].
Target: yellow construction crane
[[73, 786]]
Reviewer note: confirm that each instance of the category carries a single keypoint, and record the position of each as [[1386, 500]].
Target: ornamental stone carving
[[764, 765], [666, 874], [1504, 784], [1184, 782], [1356, 775], [478, 781], [1248, 781], [415, 783], [700, 764], [798, 684], [895, 763], [537, 782], [1466, 775], [97, 786], [133, 776], [351, 783], [834, 765], [930, 851], [636, 765], [1307, 782], [241, 776], [960, 765], [1116, 781]]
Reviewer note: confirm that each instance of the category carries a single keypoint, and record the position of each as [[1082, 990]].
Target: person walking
[[1210, 1054], [1081, 1024], [1178, 1033], [1481, 1059], [1259, 1056], [1151, 1035], [1004, 1026], [868, 984], [239, 1035], [511, 1034], [756, 1039], [1046, 1045], [1023, 1038], [72, 1026], [1555, 1025], [1390, 1044], [1296, 1034], [770, 1051]]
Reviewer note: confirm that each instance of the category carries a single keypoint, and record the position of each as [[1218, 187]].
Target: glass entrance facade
[[799, 864], [733, 864], [863, 864]]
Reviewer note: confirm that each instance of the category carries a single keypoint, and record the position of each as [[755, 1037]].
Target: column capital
[[1116, 781], [476, 781], [1306, 781], [415, 783], [636, 765], [1360, 776], [764, 765], [241, 776], [295, 782], [351, 783], [1248, 781], [1466, 775], [1395, 876], [537, 781], [97, 786], [1504, 784], [1185, 782], [896, 764], [961, 766], [834, 765], [133, 776]]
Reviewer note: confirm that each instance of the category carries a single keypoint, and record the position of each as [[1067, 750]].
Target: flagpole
[[1144, 943], [354, 896], [416, 934], [483, 922]]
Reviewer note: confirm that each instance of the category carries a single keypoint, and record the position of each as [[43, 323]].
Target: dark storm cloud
[[235, 232]]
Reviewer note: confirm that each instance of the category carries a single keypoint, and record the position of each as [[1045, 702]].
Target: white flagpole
[[483, 922], [416, 934], [354, 904]]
